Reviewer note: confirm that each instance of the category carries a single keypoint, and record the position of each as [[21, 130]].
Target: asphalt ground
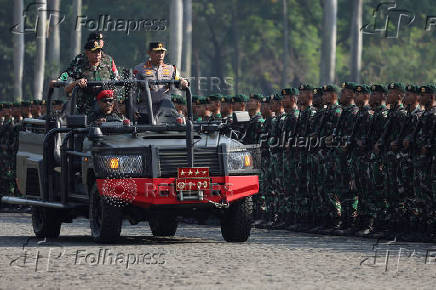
[[198, 257]]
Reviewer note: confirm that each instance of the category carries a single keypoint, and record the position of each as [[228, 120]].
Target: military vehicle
[[155, 172]]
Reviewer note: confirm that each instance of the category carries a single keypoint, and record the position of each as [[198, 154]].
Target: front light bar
[[109, 165]]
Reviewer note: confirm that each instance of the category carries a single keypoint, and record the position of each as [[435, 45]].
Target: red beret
[[105, 94]]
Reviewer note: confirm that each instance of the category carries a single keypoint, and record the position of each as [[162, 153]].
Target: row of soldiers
[[356, 160], [353, 160], [11, 117]]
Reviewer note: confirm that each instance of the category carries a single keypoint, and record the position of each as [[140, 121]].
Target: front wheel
[[105, 220], [46, 222], [237, 220]]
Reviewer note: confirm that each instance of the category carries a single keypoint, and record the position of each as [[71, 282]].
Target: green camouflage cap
[[228, 99], [178, 99], [305, 87], [241, 98], [349, 85], [317, 92], [216, 97], [194, 99], [330, 88], [58, 102], [412, 89], [428, 89], [397, 86], [362, 89], [266, 99], [290, 91], [256, 96], [277, 97], [379, 88]]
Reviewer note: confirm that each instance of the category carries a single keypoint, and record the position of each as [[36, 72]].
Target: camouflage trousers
[[345, 188], [424, 175]]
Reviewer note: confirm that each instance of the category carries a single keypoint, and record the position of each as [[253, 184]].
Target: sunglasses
[[108, 101]]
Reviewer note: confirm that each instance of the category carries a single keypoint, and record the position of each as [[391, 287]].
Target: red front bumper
[[145, 192]]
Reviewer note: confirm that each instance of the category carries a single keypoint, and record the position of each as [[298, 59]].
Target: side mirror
[[77, 121], [241, 117]]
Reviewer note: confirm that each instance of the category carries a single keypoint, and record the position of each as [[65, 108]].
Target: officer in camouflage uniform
[[330, 203], [215, 101], [422, 143], [266, 173], [359, 149], [81, 59], [405, 156], [239, 102], [346, 194], [287, 126], [302, 199], [314, 167], [376, 203], [388, 145], [227, 110], [251, 136], [276, 157], [253, 129], [95, 68]]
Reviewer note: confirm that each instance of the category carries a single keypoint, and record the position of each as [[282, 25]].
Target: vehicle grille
[[171, 159]]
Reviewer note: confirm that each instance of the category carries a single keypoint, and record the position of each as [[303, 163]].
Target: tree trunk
[[187, 37], [285, 45], [356, 41], [236, 56], [328, 52], [53, 40], [76, 34], [38, 85], [176, 32], [18, 39]]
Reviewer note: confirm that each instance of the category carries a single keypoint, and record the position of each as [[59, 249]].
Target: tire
[[237, 221], [46, 222], [105, 220], [162, 224]]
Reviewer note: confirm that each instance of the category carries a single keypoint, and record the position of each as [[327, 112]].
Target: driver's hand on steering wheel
[[82, 83]]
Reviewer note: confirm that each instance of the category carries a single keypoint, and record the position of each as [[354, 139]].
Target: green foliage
[[259, 24]]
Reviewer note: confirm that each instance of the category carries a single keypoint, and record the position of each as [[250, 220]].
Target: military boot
[[366, 227]]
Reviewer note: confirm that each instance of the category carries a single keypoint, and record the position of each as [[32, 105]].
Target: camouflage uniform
[[106, 70], [330, 203], [360, 162], [288, 205], [424, 175], [397, 115], [346, 195]]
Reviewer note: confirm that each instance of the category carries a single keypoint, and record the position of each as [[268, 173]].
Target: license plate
[[195, 178], [193, 184]]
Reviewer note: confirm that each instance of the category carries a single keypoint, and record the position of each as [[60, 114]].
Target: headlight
[[239, 160], [118, 166]]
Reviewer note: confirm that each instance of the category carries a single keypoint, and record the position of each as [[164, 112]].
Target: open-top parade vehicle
[[151, 172]]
